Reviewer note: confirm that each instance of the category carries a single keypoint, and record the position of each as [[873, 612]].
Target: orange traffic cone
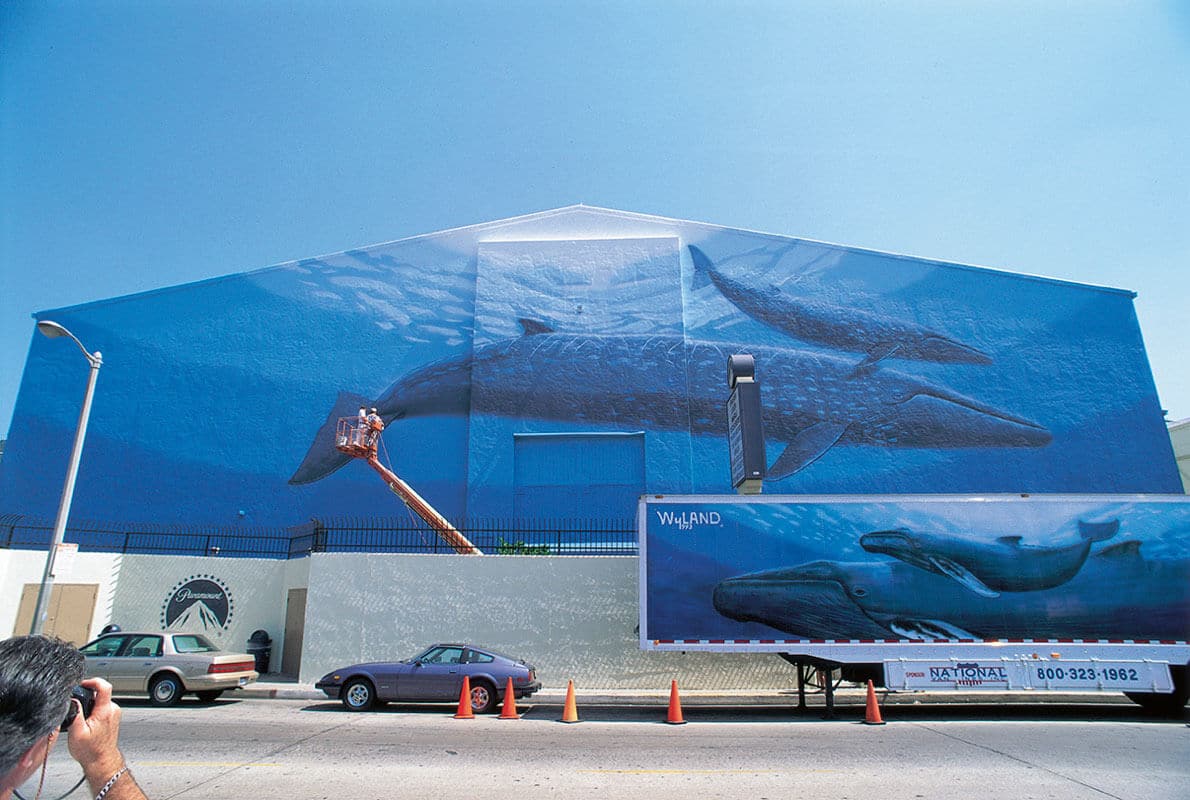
[[569, 711], [872, 714], [464, 711], [675, 706], [508, 710]]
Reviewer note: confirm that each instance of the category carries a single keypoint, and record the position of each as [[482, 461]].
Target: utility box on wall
[[745, 426]]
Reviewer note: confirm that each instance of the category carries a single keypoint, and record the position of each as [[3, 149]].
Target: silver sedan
[[166, 665]]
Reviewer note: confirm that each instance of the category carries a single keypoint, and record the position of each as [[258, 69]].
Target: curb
[[848, 696]]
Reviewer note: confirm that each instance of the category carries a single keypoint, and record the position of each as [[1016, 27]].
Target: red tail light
[[234, 666]]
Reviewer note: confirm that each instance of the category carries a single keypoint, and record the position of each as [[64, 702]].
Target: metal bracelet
[[111, 782]]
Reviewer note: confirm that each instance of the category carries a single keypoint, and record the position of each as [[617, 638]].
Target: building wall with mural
[[559, 364]]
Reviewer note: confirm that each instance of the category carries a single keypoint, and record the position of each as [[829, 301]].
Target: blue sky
[[146, 144]]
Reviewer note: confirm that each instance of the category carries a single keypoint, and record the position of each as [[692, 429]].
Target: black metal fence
[[571, 537]]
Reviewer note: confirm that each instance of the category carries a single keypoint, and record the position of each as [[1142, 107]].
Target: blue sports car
[[435, 676]]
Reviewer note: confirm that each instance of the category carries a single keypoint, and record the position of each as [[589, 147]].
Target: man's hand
[[93, 742]]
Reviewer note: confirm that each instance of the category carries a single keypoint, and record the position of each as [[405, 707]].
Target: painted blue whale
[[1117, 594], [988, 568], [812, 401], [833, 326]]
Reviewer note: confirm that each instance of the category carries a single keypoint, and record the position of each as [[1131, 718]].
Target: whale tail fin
[[1098, 531], [323, 458], [702, 267]]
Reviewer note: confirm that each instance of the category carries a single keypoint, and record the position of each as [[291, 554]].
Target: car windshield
[[442, 654], [193, 643]]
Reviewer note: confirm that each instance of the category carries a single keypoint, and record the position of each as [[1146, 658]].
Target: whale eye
[[859, 591]]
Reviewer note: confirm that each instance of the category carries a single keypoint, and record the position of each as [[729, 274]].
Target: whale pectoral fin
[[879, 352], [909, 628], [806, 448], [1098, 531], [950, 350], [876, 353], [1129, 549], [961, 575]]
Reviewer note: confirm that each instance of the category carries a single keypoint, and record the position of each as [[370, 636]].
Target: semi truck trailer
[[1070, 593]]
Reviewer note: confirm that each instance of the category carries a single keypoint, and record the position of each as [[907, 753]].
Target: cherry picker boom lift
[[359, 439]]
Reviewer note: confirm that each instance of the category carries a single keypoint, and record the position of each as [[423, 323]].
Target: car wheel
[[165, 690], [358, 695], [210, 695], [483, 697]]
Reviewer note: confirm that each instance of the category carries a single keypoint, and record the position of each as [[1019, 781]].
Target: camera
[[86, 698]]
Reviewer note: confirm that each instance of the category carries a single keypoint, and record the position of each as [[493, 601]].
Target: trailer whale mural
[[1117, 594], [988, 568], [811, 568], [815, 401]]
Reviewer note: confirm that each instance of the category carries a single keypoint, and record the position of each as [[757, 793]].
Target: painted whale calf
[[988, 568], [835, 326], [812, 401], [1117, 594]]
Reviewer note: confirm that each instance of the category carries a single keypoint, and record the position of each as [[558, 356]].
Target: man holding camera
[[37, 677]]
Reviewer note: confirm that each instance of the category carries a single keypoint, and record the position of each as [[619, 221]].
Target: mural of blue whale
[[833, 326], [812, 401], [1117, 594], [988, 568]]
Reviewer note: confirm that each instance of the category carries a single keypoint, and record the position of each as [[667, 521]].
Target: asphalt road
[[311, 749]]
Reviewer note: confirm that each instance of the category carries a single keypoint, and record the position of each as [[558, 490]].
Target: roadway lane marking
[[695, 771], [230, 764]]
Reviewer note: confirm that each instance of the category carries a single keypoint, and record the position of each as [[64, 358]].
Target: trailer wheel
[[1165, 705]]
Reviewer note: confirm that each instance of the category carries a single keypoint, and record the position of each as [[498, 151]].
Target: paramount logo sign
[[201, 603], [686, 520]]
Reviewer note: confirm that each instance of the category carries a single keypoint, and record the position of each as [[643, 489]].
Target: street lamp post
[[54, 330]]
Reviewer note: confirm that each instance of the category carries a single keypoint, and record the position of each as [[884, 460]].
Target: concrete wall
[[136, 592], [574, 618], [20, 567], [255, 588]]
